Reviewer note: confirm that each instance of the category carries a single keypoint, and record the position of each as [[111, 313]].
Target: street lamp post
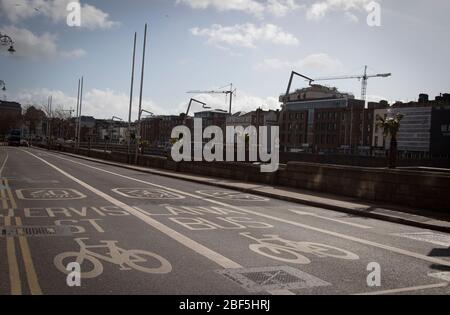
[[138, 132], [5, 40], [111, 126], [189, 108], [3, 87]]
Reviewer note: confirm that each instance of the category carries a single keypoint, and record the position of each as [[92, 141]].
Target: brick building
[[319, 119], [157, 130]]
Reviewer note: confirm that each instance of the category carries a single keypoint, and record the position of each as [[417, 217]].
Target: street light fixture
[[117, 118], [5, 40], [146, 111], [189, 108]]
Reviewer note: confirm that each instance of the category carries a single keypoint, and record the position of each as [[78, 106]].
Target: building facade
[[322, 120], [157, 130], [10, 117], [423, 129]]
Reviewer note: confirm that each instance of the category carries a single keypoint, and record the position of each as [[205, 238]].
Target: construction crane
[[229, 92], [364, 78]]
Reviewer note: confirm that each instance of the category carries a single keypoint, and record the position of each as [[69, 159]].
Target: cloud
[[320, 9], [105, 103], [101, 104], [55, 10], [278, 8], [320, 62], [351, 17], [245, 35], [30, 45], [242, 102]]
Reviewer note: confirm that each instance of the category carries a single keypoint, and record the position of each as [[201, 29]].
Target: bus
[[14, 138]]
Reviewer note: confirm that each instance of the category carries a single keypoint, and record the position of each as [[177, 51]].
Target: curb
[[310, 203]]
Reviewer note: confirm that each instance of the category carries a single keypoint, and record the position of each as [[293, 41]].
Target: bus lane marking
[[393, 249], [204, 251]]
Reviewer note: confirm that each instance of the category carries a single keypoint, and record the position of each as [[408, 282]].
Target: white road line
[[410, 289], [338, 235], [3, 164], [331, 219], [180, 238]]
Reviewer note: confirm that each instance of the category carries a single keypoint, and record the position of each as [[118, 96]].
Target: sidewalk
[[407, 216]]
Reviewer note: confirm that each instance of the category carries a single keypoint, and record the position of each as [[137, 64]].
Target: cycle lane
[[219, 226], [49, 206]]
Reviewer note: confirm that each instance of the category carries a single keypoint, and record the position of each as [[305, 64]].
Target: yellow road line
[[3, 195], [14, 275], [32, 278], [10, 195]]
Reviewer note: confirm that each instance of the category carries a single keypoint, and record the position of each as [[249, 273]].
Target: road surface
[[133, 233]]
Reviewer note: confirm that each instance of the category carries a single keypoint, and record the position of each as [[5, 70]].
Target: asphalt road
[[136, 233]]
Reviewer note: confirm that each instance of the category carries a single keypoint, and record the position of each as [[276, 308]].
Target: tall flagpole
[[138, 131], [81, 108], [78, 109], [131, 97]]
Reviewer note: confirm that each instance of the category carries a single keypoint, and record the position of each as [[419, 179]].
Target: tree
[[33, 117], [391, 127]]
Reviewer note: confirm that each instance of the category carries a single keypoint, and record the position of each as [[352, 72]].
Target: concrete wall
[[422, 190]]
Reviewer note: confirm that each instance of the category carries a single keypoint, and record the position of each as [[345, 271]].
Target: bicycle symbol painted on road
[[48, 194], [275, 247], [147, 193], [231, 195], [91, 265]]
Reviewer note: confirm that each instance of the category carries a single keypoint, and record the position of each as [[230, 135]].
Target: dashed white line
[[3, 164]]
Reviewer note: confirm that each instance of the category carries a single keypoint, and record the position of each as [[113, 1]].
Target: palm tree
[[391, 127]]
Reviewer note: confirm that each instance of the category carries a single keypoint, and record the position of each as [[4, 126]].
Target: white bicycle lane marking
[[396, 250], [219, 259]]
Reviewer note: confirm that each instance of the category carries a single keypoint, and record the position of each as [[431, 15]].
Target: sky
[[208, 44]]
